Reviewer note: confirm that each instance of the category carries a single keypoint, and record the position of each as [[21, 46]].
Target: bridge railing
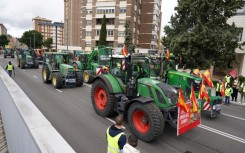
[[26, 129]]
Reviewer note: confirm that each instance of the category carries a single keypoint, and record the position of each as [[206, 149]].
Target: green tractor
[[26, 58], [56, 69], [183, 80], [8, 52], [91, 64], [130, 90]]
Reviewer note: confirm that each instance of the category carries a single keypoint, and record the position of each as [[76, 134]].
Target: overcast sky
[[16, 15]]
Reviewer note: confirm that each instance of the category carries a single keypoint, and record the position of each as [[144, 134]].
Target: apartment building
[[239, 20], [84, 18], [50, 30], [3, 30]]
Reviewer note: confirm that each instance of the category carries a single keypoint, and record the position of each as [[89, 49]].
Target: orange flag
[[193, 100], [208, 79], [196, 72], [222, 91], [203, 93], [167, 55], [125, 51], [181, 101]]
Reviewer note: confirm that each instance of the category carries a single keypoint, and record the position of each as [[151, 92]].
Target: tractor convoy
[[8, 52], [142, 88]]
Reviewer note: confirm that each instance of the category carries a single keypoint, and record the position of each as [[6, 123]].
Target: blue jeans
[[10, 73], [227, 100]]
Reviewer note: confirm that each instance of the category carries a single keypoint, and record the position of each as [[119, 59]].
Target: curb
[[238, 104]]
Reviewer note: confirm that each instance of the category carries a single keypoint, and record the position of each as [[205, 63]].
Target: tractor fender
[[138, 99], [111, 82], [79, 64]]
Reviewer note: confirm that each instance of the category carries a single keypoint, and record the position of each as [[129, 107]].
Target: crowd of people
[[231, 87]]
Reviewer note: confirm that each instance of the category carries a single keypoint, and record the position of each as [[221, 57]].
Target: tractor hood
[[166, 90]]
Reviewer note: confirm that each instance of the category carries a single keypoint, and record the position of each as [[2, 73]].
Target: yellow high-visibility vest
[[10, 67], [228, 92], [113, 146], [218, 87], [228, 79]]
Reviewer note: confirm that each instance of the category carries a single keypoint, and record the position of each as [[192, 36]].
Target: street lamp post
[[34, 41], [30, 42]]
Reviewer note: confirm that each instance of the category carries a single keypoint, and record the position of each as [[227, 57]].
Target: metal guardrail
[[26, 129]]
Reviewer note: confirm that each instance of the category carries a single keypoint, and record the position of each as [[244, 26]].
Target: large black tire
[[22, 64], [88, 76], [79, 79], [102, 100], [45, 74], [36, 64], [57, 80], [146, 121]]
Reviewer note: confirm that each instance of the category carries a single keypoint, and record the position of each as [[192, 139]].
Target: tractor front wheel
[[57, 80], [36, 64], [146, 121], [79, 79], [45, 74], [101, 99], [88, 76], [22, 64]]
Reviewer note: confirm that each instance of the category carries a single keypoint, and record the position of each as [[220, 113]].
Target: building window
[[89, 22], [89, 11], [121, 22], [120, 33], [88, 43], [110, 32], [239, 37], [88, 33], [89, 1], [153, 37], [105, 11], [123, 10], [97, 32]]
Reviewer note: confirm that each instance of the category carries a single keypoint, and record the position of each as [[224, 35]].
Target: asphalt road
[[70, 111]]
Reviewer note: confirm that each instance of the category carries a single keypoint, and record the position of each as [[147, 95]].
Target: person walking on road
[[116, 138], [10, 68], [218, 88], [242, 91], [235, 87], [228, 92], [130, 147]]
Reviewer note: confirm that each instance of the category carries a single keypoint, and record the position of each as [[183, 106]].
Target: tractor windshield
[[104, 60], [155, 68], [62, 58]]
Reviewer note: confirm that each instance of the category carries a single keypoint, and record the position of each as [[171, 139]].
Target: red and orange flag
[[207, 78], [193, 100], [222, 91], [125, 51], [167, 55], [203, 93], [181, 101]]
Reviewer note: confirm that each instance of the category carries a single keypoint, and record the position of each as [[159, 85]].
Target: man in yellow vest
[[116, 139], [218, 88], [228, 78], [10, 68], [242, 91], [228, 92]]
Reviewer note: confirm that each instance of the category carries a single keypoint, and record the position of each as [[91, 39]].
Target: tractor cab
[[27, 58]]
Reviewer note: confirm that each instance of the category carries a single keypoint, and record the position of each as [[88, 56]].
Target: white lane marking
[[23, 69], [58, 90], [88, 85], [243, 119], [35, 76], [114, 122], [222, 133]]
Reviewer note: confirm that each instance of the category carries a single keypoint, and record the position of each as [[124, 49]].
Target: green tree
[[48, 43], [29, 36], [103, 32], [3, 40], [128, 37], [199, 31]]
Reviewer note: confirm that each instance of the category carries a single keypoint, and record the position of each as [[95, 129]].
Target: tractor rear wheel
[[146, 121], [88, 76], [102, 99], [36, 64], [22, 64], [57, 80], [45, 74], [79, 79]]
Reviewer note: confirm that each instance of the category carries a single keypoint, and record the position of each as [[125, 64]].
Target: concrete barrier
[[26, 129]]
